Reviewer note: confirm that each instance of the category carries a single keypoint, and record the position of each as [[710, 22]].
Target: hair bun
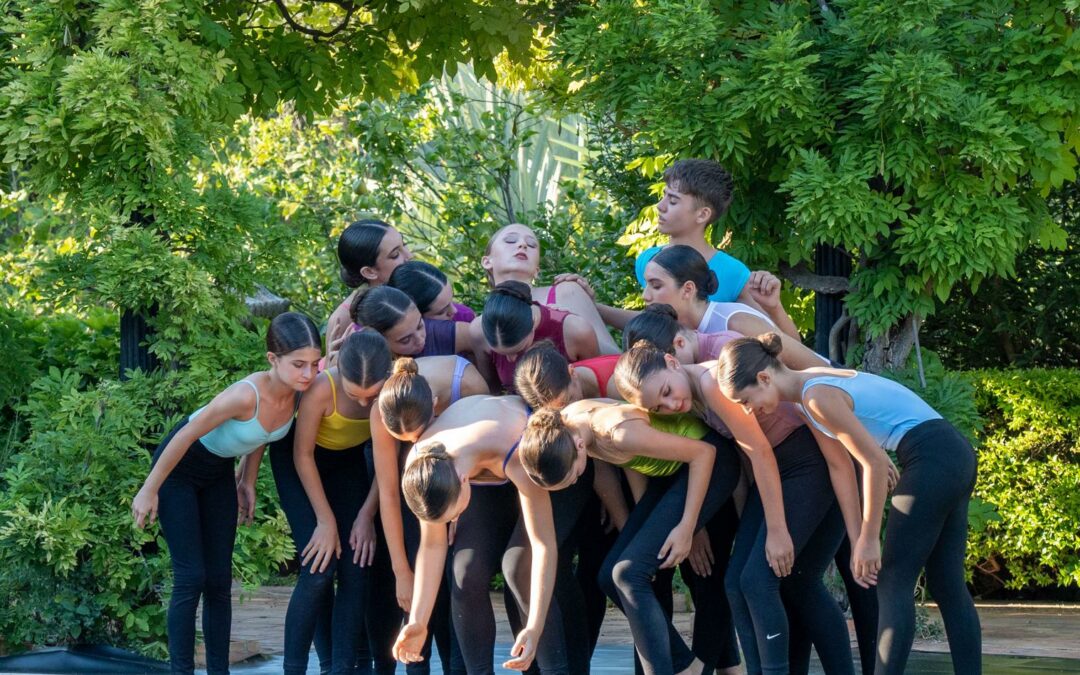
[[663, 309], [545, 418], [713, 284], [352, 279], [771, 343], [405, 365], [358, 299], [645, 344], [433, 449], [514, 289]]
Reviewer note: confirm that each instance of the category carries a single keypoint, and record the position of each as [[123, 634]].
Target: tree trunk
[[828, 307], [891, 350], [134, 330]]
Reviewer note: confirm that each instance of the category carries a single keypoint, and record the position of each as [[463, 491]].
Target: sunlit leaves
[[917, 135]]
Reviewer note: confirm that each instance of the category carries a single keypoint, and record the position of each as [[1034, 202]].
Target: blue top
[[887, 409], [459, 372], [236, 438], [730, 272]]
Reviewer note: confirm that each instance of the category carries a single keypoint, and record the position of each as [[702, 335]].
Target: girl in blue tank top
[[192, 487], [927, 526]]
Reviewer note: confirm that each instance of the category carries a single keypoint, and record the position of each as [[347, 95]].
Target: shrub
[[73, 567], [1029, 470]]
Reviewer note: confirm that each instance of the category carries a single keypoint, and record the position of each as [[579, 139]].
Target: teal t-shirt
[[731, 273]]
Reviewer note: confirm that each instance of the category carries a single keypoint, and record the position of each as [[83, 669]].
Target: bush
[[73, 567], [1029, 471]]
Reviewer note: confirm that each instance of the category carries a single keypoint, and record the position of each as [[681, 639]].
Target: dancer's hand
[[779, 551], [410, 642], [363, 540], [701, 554], [677, 546], [570, 277], [245, 499], [144, 507], [893, 476], [764, 288], [403, 583], [866, 561], [321, 548], [523, 651]]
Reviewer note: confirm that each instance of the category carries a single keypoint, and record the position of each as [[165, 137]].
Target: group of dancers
[[428, 448]]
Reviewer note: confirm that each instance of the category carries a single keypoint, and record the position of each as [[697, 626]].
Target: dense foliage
[[1029, 471], [919, 136], [1030, 319], [109, 112]]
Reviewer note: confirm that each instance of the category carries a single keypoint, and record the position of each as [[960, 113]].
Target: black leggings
[[385, 617], [754, 590], [814, 559], [927, 528], [489, 531], [197, 507], [346, 482], [714, 642], [627, 573]]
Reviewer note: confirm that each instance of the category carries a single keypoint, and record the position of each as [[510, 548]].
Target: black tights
[[346, 483], [628, 571], [927, 528], [753, 588], [197, 507], [489, 531]]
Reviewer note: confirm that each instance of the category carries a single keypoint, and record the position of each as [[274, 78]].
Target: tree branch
[[315, 32], [819, 283]]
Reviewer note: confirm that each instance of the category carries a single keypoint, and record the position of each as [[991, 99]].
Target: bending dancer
[[430, 290], [416, 393], [193, 488], [465, 467], [513, 254], [369, 251], [678, 276], [326, 494], [927, 526], [395, 316], [781, 450], [692, 473]]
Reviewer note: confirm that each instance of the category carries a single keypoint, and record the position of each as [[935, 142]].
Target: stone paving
[[1034, 630]]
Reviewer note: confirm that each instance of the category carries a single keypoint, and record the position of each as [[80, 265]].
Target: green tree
[[109, 111], [920, 136], [1029, 320]]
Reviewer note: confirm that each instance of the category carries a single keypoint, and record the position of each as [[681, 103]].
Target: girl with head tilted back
[[927, 526], [513, 254]]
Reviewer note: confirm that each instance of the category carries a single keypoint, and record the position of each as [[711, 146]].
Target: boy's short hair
[[703, 179]]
